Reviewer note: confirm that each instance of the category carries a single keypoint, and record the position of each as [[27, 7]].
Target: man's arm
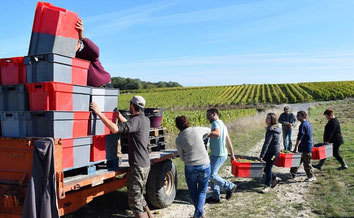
[[281, 119], [121, 119], [215, 133], [229, 146], [297, 145], [110, 125]]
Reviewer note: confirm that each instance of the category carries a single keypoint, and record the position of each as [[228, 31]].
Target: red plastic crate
[[79, 71], [247, 169], [51, 67], [81, 124], [50, 96], [98, 148], [58, 96], [322, 152], [53, 20], [12, 71], [76, 152], [68, 153], [104, 147], [288, 160]]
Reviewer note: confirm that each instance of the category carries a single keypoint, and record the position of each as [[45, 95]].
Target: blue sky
[[206, 42]]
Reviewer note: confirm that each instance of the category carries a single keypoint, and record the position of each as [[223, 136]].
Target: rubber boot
[[149, 214], [344, 165], [319, 165]]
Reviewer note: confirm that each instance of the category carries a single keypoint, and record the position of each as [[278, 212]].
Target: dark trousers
[[269, 159], [306, 159]]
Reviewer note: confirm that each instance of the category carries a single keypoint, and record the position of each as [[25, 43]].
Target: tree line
[[129, 84]]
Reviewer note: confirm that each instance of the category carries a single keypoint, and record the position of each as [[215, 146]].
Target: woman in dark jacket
[[270, 150], [332, 134]]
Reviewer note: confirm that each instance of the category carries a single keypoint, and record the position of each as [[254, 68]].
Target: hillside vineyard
[[192, 97]]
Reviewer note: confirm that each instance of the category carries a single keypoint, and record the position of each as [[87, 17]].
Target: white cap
[[138, 101]]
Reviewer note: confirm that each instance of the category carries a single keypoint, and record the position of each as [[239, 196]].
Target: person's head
[[182, 123], [301, 116], [137, 104], [287, 109], [212, 114], [329, 113], [271, 119]]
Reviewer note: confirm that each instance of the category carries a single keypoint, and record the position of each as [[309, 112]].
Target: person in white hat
[[137, 128]]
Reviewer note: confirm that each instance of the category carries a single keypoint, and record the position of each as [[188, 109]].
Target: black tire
[[161, 186]]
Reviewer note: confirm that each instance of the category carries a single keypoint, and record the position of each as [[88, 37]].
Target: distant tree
[[128, 83]]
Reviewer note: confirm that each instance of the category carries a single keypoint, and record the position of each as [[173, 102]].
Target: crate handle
[[38, 86], [40, 114], [39, 58], [9, 115], [11, 88], [8, 61]]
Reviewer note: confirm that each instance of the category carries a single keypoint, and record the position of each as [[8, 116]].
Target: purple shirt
[[97, 76]]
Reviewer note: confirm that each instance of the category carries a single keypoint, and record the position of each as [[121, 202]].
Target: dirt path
[[288, 198]]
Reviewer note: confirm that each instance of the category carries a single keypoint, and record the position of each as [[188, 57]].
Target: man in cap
[[287, 119], [137, 128]]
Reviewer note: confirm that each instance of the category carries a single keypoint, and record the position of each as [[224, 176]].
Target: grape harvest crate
[[321, 151], [247, 167], [288, 160]]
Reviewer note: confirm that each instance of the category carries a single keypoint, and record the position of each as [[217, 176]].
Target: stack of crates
[[45, 94]]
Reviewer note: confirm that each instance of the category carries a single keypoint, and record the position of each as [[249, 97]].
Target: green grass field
[[333, 194]]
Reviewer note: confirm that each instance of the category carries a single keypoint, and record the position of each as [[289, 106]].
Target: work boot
[[344, 165], [319, 165], [149, 214], [229, 193]]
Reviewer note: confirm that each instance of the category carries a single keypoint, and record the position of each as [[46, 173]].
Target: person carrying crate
[[218, 137], [304, 144]]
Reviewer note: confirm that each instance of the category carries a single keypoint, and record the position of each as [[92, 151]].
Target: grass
[[333, 187]]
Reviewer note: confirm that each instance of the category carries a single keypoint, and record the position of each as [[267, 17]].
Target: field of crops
[[194, 97], [198, 117]]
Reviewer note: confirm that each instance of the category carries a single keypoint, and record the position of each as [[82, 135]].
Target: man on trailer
[[137, 128]]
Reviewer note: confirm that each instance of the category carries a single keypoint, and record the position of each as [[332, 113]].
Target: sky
[[206, 42]]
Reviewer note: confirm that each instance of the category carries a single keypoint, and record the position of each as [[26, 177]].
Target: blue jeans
[[268, 158], [197, 180], [287, 139], [216, 182]]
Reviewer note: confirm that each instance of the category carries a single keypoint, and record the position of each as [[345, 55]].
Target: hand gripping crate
[[51, 67], [321, 151], [12, 71], [58, 97], [13, 98], [96, 125], [254, 168], [106, 99], [288, 160], [53, 31]]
